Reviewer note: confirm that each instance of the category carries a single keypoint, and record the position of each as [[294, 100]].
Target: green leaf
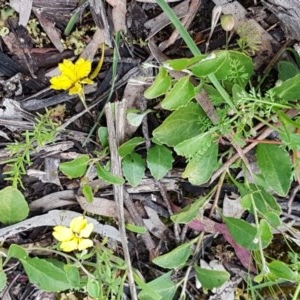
[[93, 288], [286, 70], [75, 168], [160, 85], [275, 166], [211, 64], [147, 292], [160, 288], [135, 119], [255, 198], [183, 63], [108, 176], [103, 136], [73, 275], [180, 95], [282, 270], [175, 258], [195, 145], [17, 251], [133, 167], [184, 123], [128, 147], [87, 192], [46, 275], [288, 90], [3, 280], [201, 167], [136, 229], [265, 233], [243, 233], [210, 279], [242, 66], [188, 213], [273, 219], [214, 95], [13, 206], [159, 161]]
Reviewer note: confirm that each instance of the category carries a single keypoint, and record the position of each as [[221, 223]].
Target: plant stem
[[297, 291]]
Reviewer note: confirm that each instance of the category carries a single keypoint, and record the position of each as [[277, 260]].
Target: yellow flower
[[75, 237], [72, 77]]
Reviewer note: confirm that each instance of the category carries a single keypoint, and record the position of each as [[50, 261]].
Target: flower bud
[[227, 22]]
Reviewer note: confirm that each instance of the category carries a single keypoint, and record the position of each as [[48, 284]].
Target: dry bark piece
[[288, 13], [19, 43], [161, 21], [118, 14], [23, 7], [102, 207], [186, 22], [9, 67], [51, 171], [59, 11], [49, 27], [100, 18], [91, 49], [52, 201]]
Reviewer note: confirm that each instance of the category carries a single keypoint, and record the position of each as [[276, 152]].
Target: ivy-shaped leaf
[[13, 206], [275, 167], [181, 94], [210, 279], [175, 258], [75, 168], [128, 147], [46, 275], [195, 145], [201, 167], [160, 85], [243, 233], [108, 176], [133, 167], [288, 90], [159, 161], [184, 123]]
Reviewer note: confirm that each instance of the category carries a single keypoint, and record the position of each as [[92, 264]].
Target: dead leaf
[[232, 207], [23, 7]]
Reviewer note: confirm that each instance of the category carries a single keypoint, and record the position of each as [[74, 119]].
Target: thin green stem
[[297, 292], [264, 268]]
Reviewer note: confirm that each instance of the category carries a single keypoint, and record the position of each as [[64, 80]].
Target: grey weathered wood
[[288, 13]]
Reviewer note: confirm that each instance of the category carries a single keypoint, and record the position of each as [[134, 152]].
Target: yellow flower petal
[[60, 82], [86, 231], [62, 233], [83, 68], [86, 81], [68, 69], [70, 245], [84, 244], [76, 89], [78, 223]]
